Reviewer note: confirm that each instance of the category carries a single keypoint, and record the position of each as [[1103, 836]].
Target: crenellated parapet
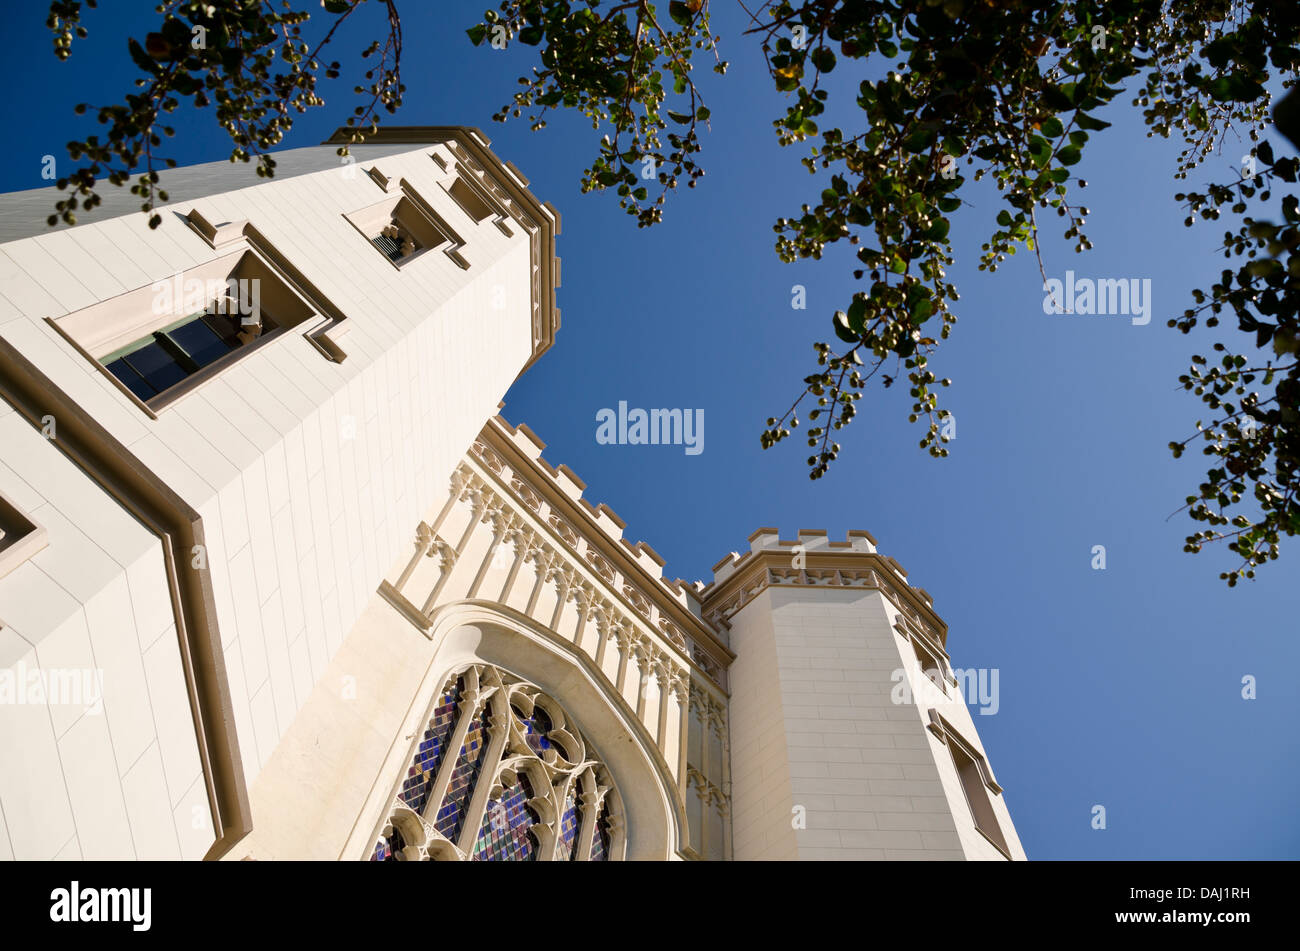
[[812, 559]]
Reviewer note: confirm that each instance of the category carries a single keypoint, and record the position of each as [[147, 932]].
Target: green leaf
[[143, 59], [1004, 218], [681, 117], [1040, 150], [1052, 127], [680, 13], [1056, 99], [1069, 155], [1085, 121], [532, 35], [842, 330], [920, 139], [857, 313]]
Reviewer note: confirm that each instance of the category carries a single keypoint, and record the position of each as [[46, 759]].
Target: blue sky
[[1119, 687]]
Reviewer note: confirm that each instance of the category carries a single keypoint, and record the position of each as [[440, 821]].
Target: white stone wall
[[308, 475], [873, 781], [120, 780], [761, 763]]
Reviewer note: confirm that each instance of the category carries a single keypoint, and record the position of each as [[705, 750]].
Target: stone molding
[[828, 568]]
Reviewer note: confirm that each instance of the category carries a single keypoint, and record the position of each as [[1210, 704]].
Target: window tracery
[[500, 773]]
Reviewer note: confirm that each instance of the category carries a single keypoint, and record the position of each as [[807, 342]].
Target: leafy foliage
[[613, 69], [1255, 441], [244, 58], [969, 89], [964, 90]]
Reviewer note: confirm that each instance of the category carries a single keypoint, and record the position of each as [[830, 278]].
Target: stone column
[[525, 543], [448, 562], [423, 543], [499, 728], [500, 526]]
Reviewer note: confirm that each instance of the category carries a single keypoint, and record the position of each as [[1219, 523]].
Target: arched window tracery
[[601, 842], [501, 774]]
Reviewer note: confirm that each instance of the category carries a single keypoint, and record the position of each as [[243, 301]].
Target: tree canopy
[[951, 92]]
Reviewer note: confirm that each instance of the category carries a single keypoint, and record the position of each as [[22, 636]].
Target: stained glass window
[[429, 754], [505, 835], [600, 841], [389, 847], [536, 728], [569, 822], [451, 817], [512, 758]]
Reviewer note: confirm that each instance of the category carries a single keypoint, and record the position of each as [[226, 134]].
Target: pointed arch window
[[430, 753], [500, 773]]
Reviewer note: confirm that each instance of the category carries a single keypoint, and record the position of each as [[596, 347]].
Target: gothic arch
[[594, 781]]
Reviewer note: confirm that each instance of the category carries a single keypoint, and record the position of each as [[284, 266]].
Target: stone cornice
[[822, 567]]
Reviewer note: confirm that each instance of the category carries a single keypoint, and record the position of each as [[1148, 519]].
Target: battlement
[[599, 517], [812, 558]]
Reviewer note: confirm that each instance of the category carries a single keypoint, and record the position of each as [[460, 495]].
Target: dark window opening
[[154, 364], [396, 242]]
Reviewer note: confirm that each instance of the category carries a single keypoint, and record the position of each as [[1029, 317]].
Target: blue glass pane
[[537, 729], [201, 340], [134, 381], [430, 753], [156, 365], [451, 816], [505, 835], [568, 829], [387, 849], [600, 842]]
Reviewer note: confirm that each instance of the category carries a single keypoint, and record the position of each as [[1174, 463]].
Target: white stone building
[[277, 582]]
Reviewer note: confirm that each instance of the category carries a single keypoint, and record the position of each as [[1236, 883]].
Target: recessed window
[[406, 233], [403, 227], [981, 806], [20, 537], [480, 197], [471, 200], [162, 340], [976, 779], [930, 664], [155, 363], [396, 242]]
